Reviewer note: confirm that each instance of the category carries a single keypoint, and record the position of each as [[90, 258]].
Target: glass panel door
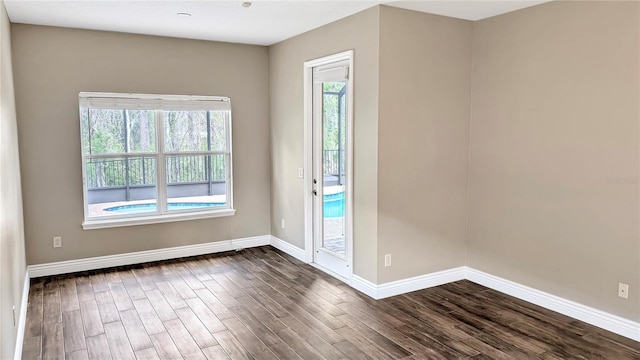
[[330, 191], [333, 159]]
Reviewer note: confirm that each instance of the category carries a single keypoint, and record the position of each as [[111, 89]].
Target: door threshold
[[331, 273]]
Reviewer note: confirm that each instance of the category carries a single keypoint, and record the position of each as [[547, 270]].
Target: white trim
[[289, 249], [100, 262], [158, 104], [332, 273], [420, 282], [155, 219], [345, 55], [98, 100], [409, 284], [22, 320], [365, 286], [587, 314], [161, 168], [90, 94], [308, 162], [229, 159], [308, 67], [349, 159], [599, 318]]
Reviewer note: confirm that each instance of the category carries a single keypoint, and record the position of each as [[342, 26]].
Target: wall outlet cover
[[623, 290]]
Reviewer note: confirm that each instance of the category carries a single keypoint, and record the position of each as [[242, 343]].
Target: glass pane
[[218, 130], [109, 131], [333, 160], [120, 186], [196, 181], [141, 130], [103, 131], [195, 131]]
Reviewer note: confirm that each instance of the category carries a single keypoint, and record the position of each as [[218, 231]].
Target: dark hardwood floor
[[261, 303]]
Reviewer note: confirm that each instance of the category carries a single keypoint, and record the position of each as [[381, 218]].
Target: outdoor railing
[[331, 161], [199, 168], [116, 173]]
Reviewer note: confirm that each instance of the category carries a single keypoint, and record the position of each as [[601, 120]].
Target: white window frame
[[159, 104]]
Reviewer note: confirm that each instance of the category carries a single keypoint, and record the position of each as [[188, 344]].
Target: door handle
[[315, 193]]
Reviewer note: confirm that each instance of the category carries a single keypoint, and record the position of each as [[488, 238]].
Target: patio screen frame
[[158, 104]]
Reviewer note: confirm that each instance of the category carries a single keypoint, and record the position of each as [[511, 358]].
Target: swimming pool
[[139, 208], [333, 205]]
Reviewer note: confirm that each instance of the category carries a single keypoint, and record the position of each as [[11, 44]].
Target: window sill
[[154, 219]]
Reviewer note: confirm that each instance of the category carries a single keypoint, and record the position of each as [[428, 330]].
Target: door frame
[[308, 160]]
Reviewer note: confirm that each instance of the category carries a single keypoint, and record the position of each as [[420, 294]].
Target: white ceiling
[[264, 23], [468, 10]]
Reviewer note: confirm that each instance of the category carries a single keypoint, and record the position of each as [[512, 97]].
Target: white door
[[331, 166]]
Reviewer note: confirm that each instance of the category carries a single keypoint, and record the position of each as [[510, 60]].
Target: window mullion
[[228, 164], [161, 164], [127, 161]]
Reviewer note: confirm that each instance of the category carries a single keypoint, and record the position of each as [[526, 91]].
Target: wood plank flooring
[[263, 304]]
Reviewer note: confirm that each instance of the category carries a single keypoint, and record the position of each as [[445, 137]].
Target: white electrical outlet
[[301, 173], [282, 223], [387, 260], [57, 241], [623, 290]]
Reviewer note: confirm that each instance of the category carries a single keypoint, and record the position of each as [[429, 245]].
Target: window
[[155, 158]]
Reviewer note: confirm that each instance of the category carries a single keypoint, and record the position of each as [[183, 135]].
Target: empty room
[[319, 179]]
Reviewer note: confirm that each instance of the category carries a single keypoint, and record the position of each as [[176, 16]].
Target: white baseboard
[[420, 282], [286, 247], [101, 262], [22, 320], [407, 285], [604, 320], [364, 286], [601, 319]]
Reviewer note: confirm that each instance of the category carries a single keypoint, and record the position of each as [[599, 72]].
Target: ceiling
[[263, 23]]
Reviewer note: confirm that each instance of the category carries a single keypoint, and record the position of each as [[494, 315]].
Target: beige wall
[[555, 115], [423, 126], [12, 257], [359, 33], [546, 98], [52, 65]]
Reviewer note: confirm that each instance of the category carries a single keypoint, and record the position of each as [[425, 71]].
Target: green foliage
[[333, 110], [103, 131], [187, 131]]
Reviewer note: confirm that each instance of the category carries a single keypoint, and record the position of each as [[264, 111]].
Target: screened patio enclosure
[[112, 180], [333, 157], [333, 164]]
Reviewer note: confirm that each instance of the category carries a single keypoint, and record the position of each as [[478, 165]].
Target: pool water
[[140, 208], [333, 205]]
